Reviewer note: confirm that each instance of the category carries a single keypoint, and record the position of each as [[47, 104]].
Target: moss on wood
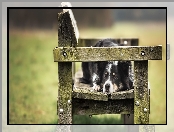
[[66, 37], [86, 54], [93, 107], [141, 95]]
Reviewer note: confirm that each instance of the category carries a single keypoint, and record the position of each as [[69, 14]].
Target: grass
[[33, 74], [32, 80], [97, 119]]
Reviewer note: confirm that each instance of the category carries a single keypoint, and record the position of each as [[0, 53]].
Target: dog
[[107, 76]]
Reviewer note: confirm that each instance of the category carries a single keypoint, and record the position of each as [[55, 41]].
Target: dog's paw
[[96, 87]]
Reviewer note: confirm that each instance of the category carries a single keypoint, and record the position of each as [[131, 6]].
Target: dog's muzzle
[[107, 87]]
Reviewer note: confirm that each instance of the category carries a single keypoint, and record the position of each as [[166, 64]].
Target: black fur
[[121, 71]]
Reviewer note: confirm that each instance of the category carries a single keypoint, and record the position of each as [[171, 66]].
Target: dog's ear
[[124, 71], [106, 43], [124, 63], [123, 67], [99, 43]]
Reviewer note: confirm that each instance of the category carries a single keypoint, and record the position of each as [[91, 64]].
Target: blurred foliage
[[140, 15], [103, 18], [32, 80]]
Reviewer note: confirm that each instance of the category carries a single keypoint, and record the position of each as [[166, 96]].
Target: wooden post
[[66, 38], [129, 119], [141, 96]]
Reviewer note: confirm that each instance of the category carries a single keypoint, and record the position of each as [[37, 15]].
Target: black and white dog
[[107, 76]]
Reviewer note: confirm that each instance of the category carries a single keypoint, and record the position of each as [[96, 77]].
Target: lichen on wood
[[128, 94], [141, 95], [66, 37], [87, 54], [94, 107], [66, 33]]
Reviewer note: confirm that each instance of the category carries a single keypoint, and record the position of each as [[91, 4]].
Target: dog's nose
[[107, 86]]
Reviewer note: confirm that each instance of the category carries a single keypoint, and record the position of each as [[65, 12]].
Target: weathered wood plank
[[94, 107], [64, 93], [85, 93], [129, 119], [86, 54], [66, 33], [141, 95], [66, 37], [123, 95]]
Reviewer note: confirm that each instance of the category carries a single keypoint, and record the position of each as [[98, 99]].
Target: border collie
[[107, 76]]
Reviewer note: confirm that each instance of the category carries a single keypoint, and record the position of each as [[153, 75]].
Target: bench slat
[[94, 107], [87, 54], [85, 93]]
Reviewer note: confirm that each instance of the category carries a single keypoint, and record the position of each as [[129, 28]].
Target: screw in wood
[[145, 109], [137, 103], [151, 49], [142, 53], [125, 42], [64, 54], [69, 101], [61, 110]]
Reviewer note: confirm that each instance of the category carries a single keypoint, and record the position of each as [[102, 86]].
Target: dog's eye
[[106, 73], [115, 76]]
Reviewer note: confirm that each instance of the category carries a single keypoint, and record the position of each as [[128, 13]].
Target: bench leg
[[141, 95], [127, 119]]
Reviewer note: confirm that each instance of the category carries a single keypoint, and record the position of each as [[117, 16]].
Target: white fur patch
[[115, 63], [109, 68], [96, 87], [94, 77], [111, 89], [115, 88]]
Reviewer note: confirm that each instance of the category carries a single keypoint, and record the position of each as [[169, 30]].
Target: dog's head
[[111, 78]]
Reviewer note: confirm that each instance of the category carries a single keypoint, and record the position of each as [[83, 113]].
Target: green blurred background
[[33, 72]]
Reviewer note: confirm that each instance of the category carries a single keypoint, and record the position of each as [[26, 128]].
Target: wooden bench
[[77, 98]]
